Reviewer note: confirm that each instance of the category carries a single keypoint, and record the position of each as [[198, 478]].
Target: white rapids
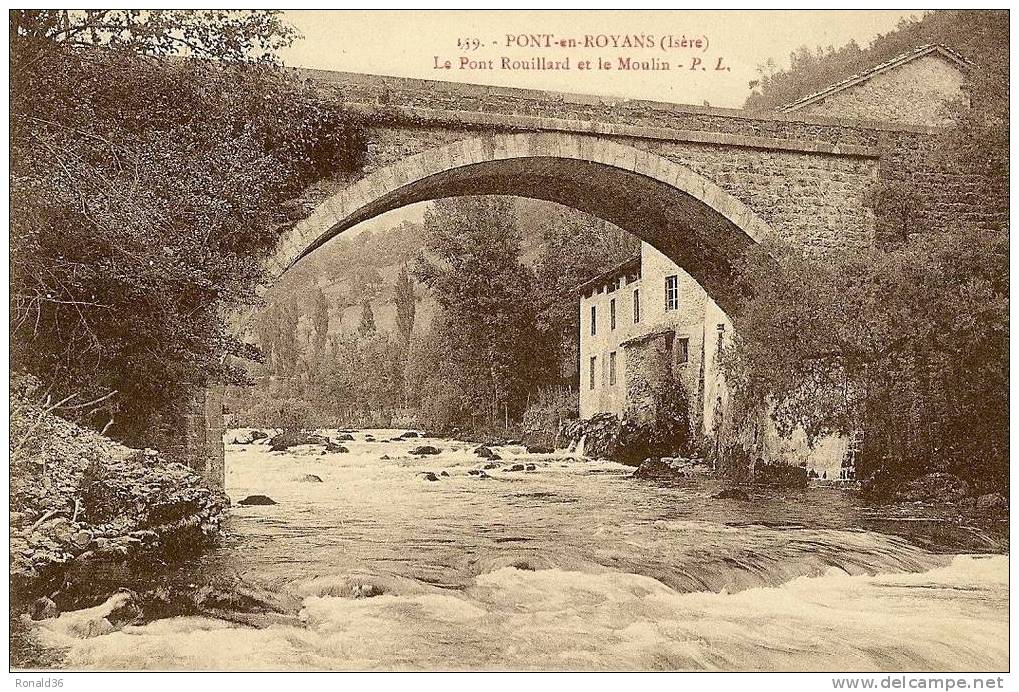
[[569, 566]]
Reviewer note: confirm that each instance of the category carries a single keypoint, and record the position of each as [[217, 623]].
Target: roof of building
[[902, 59], [623, 267]]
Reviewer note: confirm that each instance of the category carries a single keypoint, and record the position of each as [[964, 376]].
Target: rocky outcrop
[[78, 499], [626, 440], [933, 487], [778, 474], [671, 468], [257, 500]]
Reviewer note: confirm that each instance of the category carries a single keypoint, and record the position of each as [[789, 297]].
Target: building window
[[594, 365], [682, 350], [612, 314], [672, 292], [594, 320], [636, 305], [612, 368]]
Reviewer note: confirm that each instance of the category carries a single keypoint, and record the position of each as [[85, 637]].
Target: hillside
[[353, 267], [976, 35]]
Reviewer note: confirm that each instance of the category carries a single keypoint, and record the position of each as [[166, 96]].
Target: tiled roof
[[623, 267], [902, 59]]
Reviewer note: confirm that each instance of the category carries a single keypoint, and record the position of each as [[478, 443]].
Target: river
[[572, 565]]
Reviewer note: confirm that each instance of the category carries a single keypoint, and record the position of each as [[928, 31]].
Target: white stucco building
[[647, 318]]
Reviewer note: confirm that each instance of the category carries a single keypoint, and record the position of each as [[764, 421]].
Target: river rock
[[992, 502], [344, 437], [426, 450], [531, 467], [309, 478], [539, 449], [490, 465], [333, 448], [43, 608], [428, 476], [657, 469], [445, 473], [778, 474], [81, 539], [732, 494], [410, 434], [484, 452], [285, 441], [257, 500], [516, 467], [934, 487]]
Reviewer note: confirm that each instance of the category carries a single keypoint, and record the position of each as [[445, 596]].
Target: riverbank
[[90, 517]]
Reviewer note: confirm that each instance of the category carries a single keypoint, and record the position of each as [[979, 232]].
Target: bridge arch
[[679, 212]]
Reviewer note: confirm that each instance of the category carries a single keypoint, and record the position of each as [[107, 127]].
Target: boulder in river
[[732, 493], [992, 502], [43, 608], [934, 487], [426, 450], [490, 465], [333, 448], [410, 434], [516, 467], [257, 500], [531, 467], [344, 437], [284, 441], [309, 478], [539, 449], [778, 474], [484, 452], [428, 476]]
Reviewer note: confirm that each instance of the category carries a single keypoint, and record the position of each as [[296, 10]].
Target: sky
[[408, 44]]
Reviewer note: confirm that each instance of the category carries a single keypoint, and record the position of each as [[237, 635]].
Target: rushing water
[[573, 565]]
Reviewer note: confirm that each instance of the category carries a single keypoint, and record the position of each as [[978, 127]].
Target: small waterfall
[[579, 448]]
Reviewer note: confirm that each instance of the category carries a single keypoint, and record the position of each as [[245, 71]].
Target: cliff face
[[79, 499]]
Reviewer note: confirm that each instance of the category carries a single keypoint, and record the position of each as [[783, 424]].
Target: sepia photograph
[[509, 341]]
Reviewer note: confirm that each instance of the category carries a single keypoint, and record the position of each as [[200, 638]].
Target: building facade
[[646, 322], [641, 322], [923, 87]]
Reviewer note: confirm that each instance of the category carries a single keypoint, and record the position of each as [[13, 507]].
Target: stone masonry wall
[[915, 93]]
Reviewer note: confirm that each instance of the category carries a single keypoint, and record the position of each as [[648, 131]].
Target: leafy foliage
[[144, 192], [487, 337], [234, 35], [908, 345]]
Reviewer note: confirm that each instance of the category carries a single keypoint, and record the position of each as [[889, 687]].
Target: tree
[[486, 337], [320, 323], [144, 193], [904, 343], [907, 345], [403, 296], [367, 324], [976, 34], [234, 35]]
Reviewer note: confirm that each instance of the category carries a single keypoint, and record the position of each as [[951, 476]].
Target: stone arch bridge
[[698, 183]]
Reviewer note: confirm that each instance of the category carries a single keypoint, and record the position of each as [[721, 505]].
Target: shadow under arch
[[688, 218]]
